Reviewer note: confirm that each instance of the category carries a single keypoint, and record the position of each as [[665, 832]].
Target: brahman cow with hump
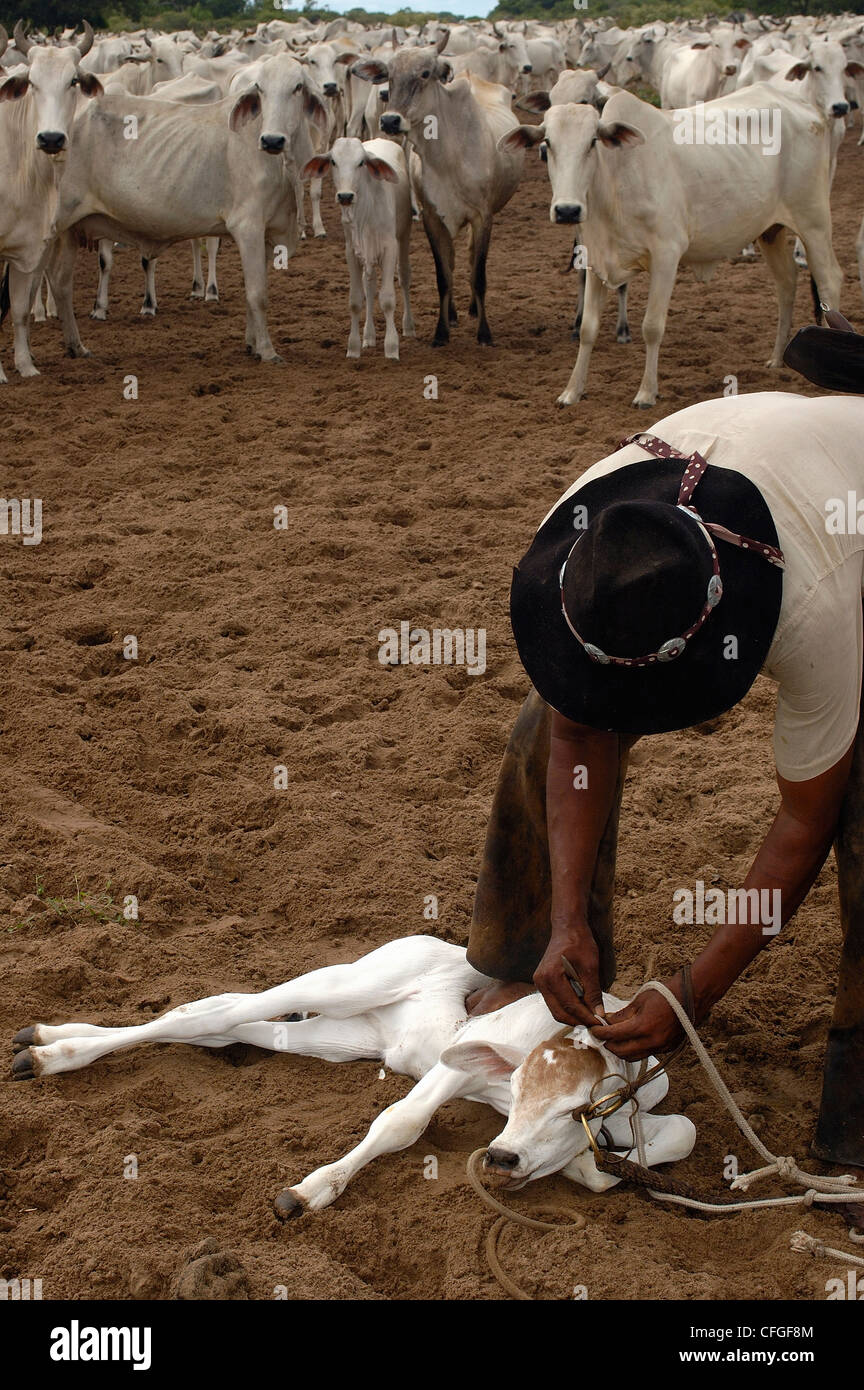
[[406, 1005], [37, 109], [648, 199], [465, 177], [230, 167]]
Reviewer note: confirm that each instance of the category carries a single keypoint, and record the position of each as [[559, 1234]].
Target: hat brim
[[718, 665], [829, 358]]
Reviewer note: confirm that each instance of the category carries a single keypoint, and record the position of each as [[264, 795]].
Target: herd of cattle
[[148, 140]]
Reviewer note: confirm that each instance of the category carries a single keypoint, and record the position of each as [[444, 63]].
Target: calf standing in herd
[[371, 182], [465, 177]]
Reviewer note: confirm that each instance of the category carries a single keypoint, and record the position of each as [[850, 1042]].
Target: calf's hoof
[[25, 1037], [287, 1206], [24, 1066]]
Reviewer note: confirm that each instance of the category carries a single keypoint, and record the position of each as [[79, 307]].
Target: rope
[[574, 1218], [809, 1245], [823, 1189]]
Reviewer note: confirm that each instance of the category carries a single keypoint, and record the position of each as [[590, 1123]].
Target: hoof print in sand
[[212, 1274]]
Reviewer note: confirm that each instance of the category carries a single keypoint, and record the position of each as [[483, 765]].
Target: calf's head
[[549, 1089], [572, 136], [349, 163]]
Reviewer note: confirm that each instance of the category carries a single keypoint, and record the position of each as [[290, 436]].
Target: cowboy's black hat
[[636, 582]]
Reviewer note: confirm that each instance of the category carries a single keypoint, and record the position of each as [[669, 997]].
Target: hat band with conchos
[[696, 466]]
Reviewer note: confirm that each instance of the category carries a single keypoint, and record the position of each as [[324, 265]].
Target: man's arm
[[789, 860], [576, 816]]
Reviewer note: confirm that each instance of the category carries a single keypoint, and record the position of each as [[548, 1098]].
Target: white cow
[[464, 179], [193, 171], [703, 69], [690, 204], [372, 189], [37, 111], [405, 1006]]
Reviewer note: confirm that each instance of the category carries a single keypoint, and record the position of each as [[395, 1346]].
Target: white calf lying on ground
[[371, 181], [404, 1005]]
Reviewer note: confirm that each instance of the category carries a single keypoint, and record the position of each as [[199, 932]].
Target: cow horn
[[394, 38], [4, 40], [85, 43], [22, 43], [148, 40], [443, 41], [603, 71]]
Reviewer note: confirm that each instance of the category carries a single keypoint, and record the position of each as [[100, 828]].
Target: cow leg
[[355, 296], [20, 286], [37, 308], [148, 265], [387, 300], [397, 1127], [106, 265], [622, 327], [441, 244], [408, 328], [212, 294], [253, 258], [780, 260], [318, 227], [823, 264], [61, 276], [369, 283], [479, 252], [859, 252], [595, 296], [664, 268], [197, 291]]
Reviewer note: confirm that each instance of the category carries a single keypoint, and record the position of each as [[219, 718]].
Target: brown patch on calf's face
[[557, 1067]]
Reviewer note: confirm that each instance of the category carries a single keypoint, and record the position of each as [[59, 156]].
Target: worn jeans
[[510, 923]]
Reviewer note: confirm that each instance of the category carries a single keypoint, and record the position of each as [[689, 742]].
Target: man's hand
[[580, 948], [644, 1026]]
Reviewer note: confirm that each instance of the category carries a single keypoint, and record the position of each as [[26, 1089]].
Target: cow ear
[[316, 168], [316, 110], [444, 71], [798, 71], [347, 57], [13, 88], [618, 133], [494, 1062], [245, 109], [380, 169], [523, 137], [854, 69], [534, 101], [370, 70], [701, 43], [90, 84], [741, 43]]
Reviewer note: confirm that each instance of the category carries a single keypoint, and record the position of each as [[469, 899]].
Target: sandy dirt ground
[[259, 647]]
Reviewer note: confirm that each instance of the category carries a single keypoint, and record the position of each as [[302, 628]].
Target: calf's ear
[[316, 168], [246, 108], [90, 84], [614, 134], [380, 169], [492, 1061], [523, 137]]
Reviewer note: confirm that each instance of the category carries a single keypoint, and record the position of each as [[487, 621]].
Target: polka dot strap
[[696, 466]]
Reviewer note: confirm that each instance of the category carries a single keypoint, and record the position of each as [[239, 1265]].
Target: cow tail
[[4, 293], [817, 305]]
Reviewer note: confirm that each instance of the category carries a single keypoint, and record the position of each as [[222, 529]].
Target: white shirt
[[805, 456]]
